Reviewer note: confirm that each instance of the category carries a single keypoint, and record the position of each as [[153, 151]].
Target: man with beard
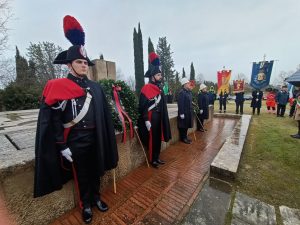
[[75, 132], [153, 123]]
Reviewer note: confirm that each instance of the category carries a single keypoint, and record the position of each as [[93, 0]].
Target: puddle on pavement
[[13, 116], [211, 205]]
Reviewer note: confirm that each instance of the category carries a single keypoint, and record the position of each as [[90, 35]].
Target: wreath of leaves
[[127, 98]]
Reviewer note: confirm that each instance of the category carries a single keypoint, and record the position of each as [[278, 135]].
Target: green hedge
[[19, 98]]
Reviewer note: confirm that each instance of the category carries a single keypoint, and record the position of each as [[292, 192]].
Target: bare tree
[[200, 78], [7, 72], [130, 81], [241, 76], [280, 79], [120, 75], [5, 16]]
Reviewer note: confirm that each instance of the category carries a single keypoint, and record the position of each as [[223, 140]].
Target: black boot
[[155, 164], [87, 214], [101, 206], [186, 141], [162, 162], [296, 136]]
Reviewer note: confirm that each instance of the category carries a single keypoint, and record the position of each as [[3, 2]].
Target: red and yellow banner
[[238, 86], [223, 80]]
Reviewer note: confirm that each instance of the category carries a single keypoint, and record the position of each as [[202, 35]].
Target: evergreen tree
[[192, 74], [43, 55], [22, 70], [138, 59], [150, 48], [167, 63], [177, 81], [183, 73]]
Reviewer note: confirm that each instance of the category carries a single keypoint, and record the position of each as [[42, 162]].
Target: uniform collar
[[77, 79]]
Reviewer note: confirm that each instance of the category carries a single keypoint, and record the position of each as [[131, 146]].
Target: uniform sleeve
[[180, 103], [143, 107], [200, 105], [58, 128]]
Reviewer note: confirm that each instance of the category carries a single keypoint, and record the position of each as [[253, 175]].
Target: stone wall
[[102, 70], [17, 166]]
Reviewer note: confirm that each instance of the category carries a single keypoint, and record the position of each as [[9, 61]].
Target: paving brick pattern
[[161, 196]]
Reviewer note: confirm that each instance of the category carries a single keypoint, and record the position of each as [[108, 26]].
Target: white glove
[[67, 154], [148, 125], [201, 111], [182, 116]]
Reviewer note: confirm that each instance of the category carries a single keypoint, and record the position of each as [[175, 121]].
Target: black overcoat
[[203, 102], [239, 97], [185, 107], [256, 99], [49, 175]]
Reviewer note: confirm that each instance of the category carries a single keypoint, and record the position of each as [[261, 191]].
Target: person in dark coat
[[203, 103], [257, 96], [70, 137], [239, 103], [185, 110], [153, 123], [212, 96], [282, 99], [223, 101], [297, 114]]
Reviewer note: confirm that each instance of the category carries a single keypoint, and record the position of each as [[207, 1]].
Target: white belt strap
[[82, 113], [157, 100]]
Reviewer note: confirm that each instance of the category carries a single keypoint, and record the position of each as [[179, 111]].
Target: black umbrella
[[294, 79]]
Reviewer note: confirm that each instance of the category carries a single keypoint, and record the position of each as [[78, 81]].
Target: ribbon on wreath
[[121, 112]]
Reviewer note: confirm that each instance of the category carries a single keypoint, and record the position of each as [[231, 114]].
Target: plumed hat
[[75, 34], [154, 65]]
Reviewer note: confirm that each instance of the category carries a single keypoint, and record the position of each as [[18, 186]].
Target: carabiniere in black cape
[[49, 174]]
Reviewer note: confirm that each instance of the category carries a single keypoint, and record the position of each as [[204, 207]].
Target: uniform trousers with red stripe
[[82, 145], [156, 128]]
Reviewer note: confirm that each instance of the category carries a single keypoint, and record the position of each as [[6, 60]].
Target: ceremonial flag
[[223, 80], [238, 86], [261, 74]]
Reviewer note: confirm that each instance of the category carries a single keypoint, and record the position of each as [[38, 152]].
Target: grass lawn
[[270, 165]]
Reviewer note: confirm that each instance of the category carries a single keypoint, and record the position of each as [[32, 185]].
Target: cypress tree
[[192, 74], [22, 69], [183, 73], [138, 59], [150, 48]]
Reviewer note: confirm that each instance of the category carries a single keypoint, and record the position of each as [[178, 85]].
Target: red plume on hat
[[75, 34], [154, 59], [73, 31]]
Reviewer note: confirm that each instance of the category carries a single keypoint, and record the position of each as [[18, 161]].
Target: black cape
[[143, 132], [49, 175]]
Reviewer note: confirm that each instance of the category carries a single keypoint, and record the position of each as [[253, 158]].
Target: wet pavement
[[164, 195], [211, 205]]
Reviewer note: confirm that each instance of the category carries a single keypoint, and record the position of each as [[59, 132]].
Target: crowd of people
[[75, 133]]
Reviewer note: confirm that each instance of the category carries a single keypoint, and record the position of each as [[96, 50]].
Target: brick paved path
[[164, 195]]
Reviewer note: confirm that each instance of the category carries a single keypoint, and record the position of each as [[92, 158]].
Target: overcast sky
[[211, 34]]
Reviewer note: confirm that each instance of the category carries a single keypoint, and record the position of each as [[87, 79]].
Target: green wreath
[[127, 98]]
